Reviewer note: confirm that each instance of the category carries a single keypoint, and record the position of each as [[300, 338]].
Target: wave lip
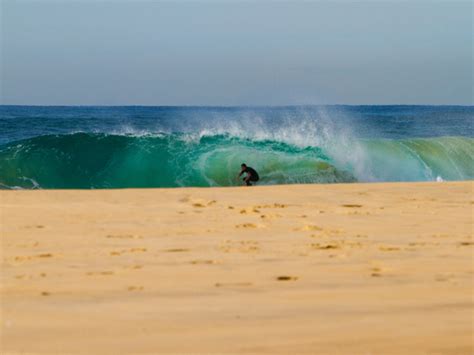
[[97, 160]]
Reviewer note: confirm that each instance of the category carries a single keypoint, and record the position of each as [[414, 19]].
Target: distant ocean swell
[[100, 160]]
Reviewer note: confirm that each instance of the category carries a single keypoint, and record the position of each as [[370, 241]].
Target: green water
[[85, 160]]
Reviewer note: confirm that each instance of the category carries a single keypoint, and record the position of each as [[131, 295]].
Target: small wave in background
[[100, 147]]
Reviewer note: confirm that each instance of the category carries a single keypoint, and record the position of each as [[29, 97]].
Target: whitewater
[[119, 147]]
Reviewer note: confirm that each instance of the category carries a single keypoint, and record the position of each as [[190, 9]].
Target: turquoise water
[[124, 147]]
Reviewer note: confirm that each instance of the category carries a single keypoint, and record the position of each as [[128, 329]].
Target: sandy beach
[[325, 269]]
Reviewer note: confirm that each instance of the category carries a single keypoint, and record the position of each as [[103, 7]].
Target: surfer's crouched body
[[252, 175]]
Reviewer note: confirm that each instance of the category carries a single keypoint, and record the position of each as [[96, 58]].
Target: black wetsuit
[[253, 175]]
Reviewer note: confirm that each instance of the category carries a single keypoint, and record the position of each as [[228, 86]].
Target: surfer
[[252, 175]]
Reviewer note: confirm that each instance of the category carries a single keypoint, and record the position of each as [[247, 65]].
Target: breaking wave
[[99, 160]]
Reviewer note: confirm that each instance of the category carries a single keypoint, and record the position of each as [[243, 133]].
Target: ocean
[[52, 147]]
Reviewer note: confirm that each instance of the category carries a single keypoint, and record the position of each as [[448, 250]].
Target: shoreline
[[362, 183], [311, 268]]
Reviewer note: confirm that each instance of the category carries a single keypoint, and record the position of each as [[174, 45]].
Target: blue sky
[[236, 52]]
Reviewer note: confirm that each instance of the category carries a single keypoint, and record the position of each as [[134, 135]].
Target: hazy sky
[[236, 52]]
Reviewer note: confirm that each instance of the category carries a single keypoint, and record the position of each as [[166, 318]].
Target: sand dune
[[329, 269]]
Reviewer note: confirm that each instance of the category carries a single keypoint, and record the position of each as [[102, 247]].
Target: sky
[[229, 53]]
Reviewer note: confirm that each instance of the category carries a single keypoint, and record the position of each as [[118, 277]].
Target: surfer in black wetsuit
[[252, 175]]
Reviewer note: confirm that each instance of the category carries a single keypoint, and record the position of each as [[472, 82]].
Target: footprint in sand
[[204, 262], [135, 288], [320, 231], [287, 278], [414, 244], [39, 226], [269, 216], [466, 243], [202, 203], [376, 271], [25, 258], [324, 246], [249, 210], [275, 205], [45, 293], [387, 248], [359, 213], [176, 250], [132, 250], [246, 225]]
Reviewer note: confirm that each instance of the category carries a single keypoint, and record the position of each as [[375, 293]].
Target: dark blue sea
[[118, 147]]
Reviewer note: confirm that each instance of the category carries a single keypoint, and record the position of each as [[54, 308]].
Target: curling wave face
[[100, 160]]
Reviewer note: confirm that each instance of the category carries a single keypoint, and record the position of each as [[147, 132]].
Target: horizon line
[[230, 106]]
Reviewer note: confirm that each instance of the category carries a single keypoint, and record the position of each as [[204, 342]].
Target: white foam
[[32, 181]]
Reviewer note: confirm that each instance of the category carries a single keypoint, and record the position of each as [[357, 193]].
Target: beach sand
[[326, 269]]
